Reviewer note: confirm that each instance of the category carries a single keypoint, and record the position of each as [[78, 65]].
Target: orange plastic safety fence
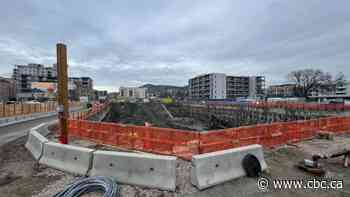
[[249, 135], [346, 123], [185, 144], [149, 139], [273, 135], [211, 141]]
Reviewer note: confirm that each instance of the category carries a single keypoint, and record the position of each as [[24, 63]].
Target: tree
[[340, 79], [307, 80]]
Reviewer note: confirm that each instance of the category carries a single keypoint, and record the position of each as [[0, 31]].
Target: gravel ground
[[19, 173]]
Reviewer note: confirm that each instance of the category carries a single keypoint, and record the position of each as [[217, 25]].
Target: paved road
[[15, 131], [12, 132]]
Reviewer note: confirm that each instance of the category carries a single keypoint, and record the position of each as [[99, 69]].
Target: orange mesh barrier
[[273, 135], [149, 139], [157, 140], [292, 131], [185, 144], [307, 129], [211, 141], [346, 124], [249, 135]]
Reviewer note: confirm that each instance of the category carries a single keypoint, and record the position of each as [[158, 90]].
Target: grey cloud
[[133, 42]]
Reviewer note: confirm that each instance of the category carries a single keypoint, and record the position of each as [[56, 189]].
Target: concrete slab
[[35, 142], [214, 168], [153, 171], [67, 158]]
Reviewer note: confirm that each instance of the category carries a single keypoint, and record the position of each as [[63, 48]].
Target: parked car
[[336, 102], [33, 102]]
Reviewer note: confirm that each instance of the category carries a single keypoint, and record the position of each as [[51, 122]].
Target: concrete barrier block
[[153, 171], [44, 129], [217, 167], [35, 143], [67, 158]]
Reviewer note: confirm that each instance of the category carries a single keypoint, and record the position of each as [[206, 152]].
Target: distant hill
[[161, 86], [165, 90]]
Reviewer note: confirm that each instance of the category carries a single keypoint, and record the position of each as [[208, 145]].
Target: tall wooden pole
[[63, 113]]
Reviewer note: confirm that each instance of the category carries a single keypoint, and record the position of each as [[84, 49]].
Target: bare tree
[[340, 79], [307, 80]]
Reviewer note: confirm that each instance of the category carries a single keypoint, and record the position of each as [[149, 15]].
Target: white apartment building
[[208, 86], [343, 89], [220, 86], [24, 75], [133, 92]]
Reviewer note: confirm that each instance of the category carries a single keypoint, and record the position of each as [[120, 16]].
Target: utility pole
[[63, 113]]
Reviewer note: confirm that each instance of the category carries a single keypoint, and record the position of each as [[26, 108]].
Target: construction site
[[202, 117], [175, 98], [154, 148]]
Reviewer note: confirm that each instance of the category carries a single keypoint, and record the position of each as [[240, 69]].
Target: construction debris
[[345, 153], [312, 166]]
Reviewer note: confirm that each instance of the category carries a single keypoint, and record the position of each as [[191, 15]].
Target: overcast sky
[[127, 43]]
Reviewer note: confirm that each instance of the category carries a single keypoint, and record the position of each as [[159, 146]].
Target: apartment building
[[81, 87], [208, 86], [221, 86], [283, 90], [87, 86], [133, 92], [7, 89], [343, 89], [100, 94], [324, 90], [25, 75]]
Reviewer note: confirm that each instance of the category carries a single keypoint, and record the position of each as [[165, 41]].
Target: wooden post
[[3, 109], [63, 112]]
